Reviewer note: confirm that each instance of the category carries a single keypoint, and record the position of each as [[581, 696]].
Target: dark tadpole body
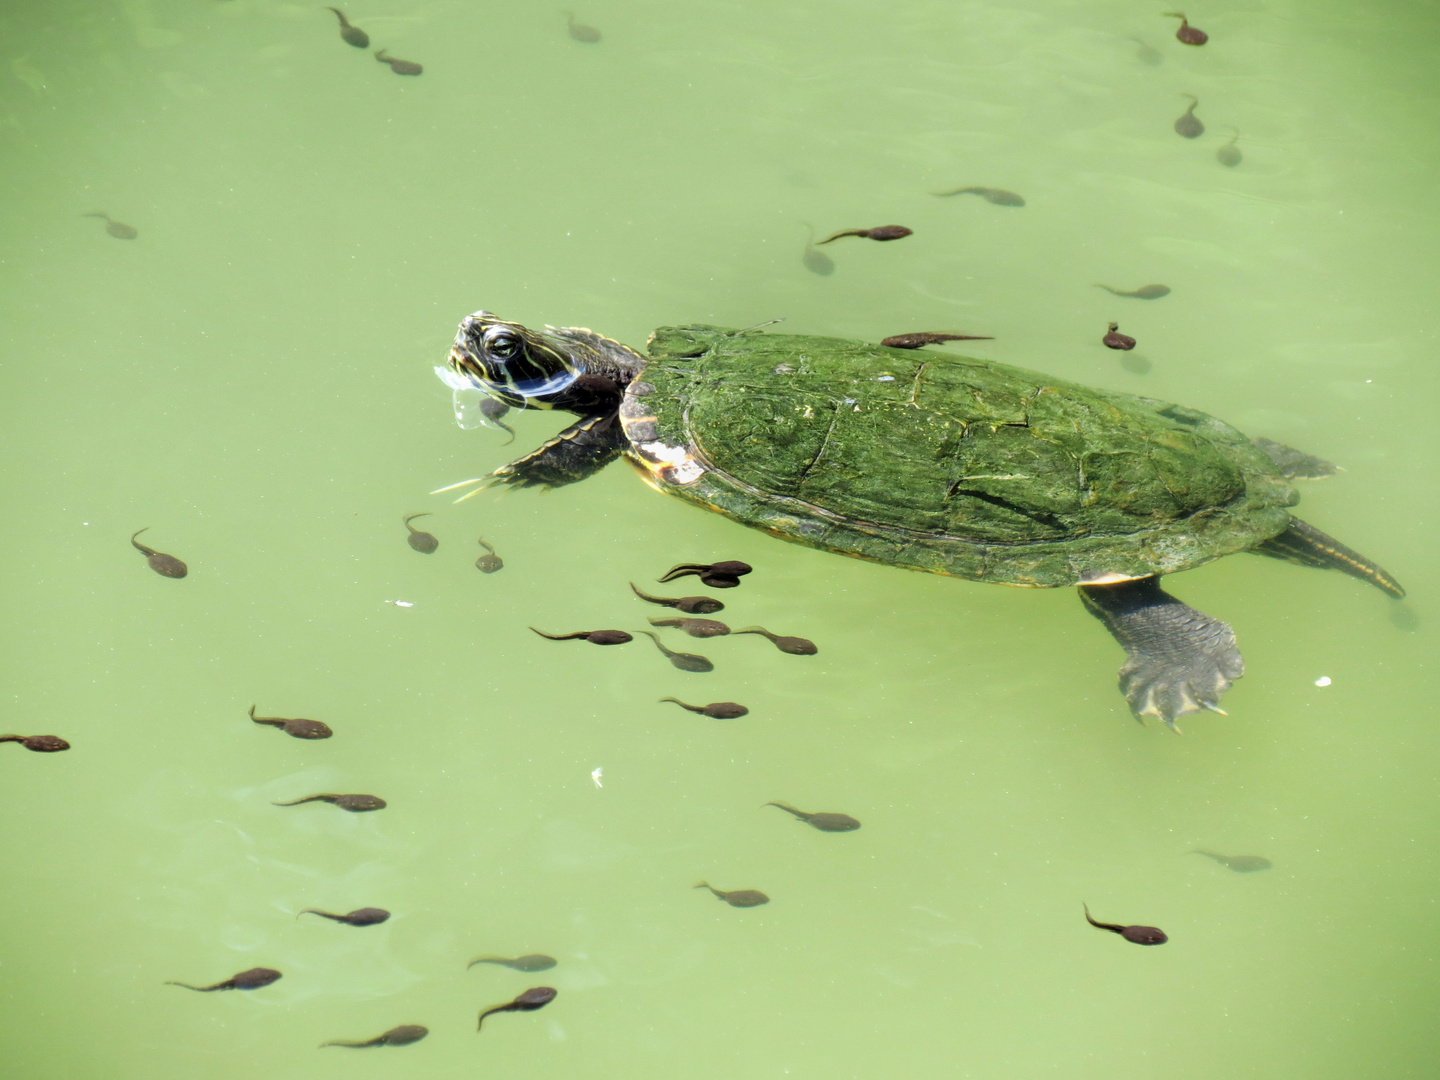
[[691, 605], [494, 410], [716, 710], [919, 340], [1229, 155], [245, 980], [423, 542], [532, 962], [720, 575], [737, 897], [796, 646], [1145, 292], [823, 821], [1187, 34], [164, 565], [1241, 864], [1139, 935], [403, 1035], [536, 997], [879, 232], [297, 728], [41, 744], [399, 67], [998, 196], [1189, 125], [701, 628], [356, 804], [595, 637], [117, 229], [351, 35], [365, 916], [817, 262], [1113, 339], [581, 32], [489, 562], [685, 661]]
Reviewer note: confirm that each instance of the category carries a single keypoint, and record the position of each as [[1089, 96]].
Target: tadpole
[[1139, 935], [737, 897], [164, 565], [403, 1035], [683, 660], [535, 998], [595, 637], [531, 962], [365, 916], [796, 646], [356, 804], [41, 744], [423, 542], [716, 710], [297, 728], [879, 232], [252, 979], [701, 628], [825, 822], [691, 605]]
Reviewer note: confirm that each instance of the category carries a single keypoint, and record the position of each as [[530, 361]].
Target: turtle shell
[[943, 463]]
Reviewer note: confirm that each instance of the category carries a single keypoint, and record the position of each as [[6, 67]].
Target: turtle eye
[[503, 346]]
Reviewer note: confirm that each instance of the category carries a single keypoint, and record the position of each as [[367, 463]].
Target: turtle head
[[511, 363]]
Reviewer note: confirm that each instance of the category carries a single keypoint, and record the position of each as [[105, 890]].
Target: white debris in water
[[596, 774], [1324, 680], [400, 603], [884, 378]]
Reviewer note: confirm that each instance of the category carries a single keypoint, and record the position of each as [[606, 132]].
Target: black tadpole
[[423, 542], [296, 728], [41, 744], [796, 646], [489, 562], [536, 997], [356, 804], [737, 897], [164, 565], [879, 232], [825, 822], [701, 628], [716, 710], [1139, 935], [1113, 339], [720, 575], [685, 661], [530, 962], [365, 916], [595, 637], [494, 410], [253, 979], [1187, 34], [1189, 125], [691, 605], [403, 1035], [921, 339], [351, 35], [399, 67]]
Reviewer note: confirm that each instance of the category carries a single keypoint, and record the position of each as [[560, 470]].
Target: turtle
[[956, 466]]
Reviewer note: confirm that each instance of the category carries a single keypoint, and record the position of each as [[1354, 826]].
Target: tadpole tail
[[682, 570], [308, 798], [187, 986], [493, 1009]]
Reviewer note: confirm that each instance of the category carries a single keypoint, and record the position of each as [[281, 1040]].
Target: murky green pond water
[[250, 377]]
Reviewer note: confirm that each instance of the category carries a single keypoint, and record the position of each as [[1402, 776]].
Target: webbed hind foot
[[1177, 660]]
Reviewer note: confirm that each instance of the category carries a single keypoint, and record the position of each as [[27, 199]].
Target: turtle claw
[[1177, 660]]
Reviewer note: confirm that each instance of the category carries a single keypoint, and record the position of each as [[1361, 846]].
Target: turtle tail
[[1308, 546]]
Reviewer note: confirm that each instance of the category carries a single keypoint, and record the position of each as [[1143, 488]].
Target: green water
[[250, 378]]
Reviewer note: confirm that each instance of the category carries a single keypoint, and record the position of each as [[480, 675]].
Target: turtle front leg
[[1177, 660], [578, 452]]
